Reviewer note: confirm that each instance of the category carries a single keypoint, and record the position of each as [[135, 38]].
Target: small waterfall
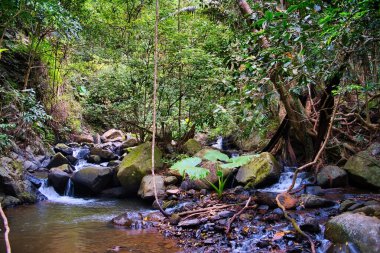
[[53, 196], [69, 191], [219, 143]]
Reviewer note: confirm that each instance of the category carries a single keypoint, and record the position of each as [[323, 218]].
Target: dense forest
[[251, 125]]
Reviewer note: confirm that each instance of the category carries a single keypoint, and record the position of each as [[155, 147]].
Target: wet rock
[[73, 161], [355, 206], [191, 147], [58, 179], [189, 223], [64, 167], [362, 230], [31, 165], [154, 217], [114, 192], [146, 190], [314, 190], [57, 160], [105, 155], [261, 171], [345, 205], [266, 198], [63, 149], [372, 210], [311, 225], [94, 179], [263, 244], [312, 201], [332, 176], [136, 165], [113, 135], [9, 201], [364, 168], [263, 209], [129, 220], [225, 214], [170, 180], [94, 159]]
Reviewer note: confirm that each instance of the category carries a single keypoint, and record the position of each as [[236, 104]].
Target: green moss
[[17, 166], [192, 146]]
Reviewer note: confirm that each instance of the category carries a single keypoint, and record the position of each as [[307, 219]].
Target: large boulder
[[332, 176], [63, 148], [146, 190], [360, 229], [262, 170], [92, 179], [136, 165], [58, 179], [57, 160], [364, 167], [113, 135], [191, 147], [105, 155]]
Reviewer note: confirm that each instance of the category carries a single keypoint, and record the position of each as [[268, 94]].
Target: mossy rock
[[191, 147], [261, 171], [364, 167], [136, 165]]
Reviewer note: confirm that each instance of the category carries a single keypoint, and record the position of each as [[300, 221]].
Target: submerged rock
[[362, 230], [261, 171], [364, 167], [136, 165], [332, 176], [146, 190], [129, 220]]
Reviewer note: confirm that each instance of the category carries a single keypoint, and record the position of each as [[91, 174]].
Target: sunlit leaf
[[214, 155]]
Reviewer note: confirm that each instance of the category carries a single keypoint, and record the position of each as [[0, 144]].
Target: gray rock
[[146, 187], [9, 201], [129, 220], [57, 160], [346, 204], [58, 179], [373, 210], [331, 177], [113, 135], [311, 225], [94, 179], [105, 155], [362, 230], [312, 201], [63, 149], [115, 192], [364, 168], [94, 159], [189, 223]]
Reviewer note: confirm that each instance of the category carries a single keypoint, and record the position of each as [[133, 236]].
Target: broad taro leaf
[[183, 165], [214, 155], [237, 162], [197, 172]]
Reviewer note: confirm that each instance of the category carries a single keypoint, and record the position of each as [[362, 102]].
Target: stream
[[69, 225]]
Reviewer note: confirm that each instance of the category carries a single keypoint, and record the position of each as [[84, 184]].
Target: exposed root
[[294, 223], [7, 229]]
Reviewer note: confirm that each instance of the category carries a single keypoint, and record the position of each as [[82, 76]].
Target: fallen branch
[[294, 223], [228, 227], [205, 209], [7, 229]]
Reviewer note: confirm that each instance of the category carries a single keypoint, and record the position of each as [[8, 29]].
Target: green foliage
[[189, 166]]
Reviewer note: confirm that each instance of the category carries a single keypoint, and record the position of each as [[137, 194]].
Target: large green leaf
[[237, 161], [197, 172], [183, 165], [214, 155]]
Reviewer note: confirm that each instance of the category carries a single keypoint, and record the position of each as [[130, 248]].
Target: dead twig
[[207, 209], [7, 229], [228, 227]]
